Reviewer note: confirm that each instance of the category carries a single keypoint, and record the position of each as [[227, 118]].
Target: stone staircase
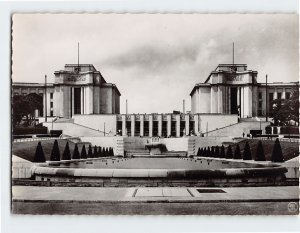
[[237, 130], [72, 129]]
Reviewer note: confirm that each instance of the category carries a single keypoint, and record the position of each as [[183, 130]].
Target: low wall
[[210, 122], [115, 142], [21, 168], [101, 122]]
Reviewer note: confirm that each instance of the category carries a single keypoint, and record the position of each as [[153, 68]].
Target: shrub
[[67, 153], [90, 152], [95, 152], [277, 155], [76, 154], [237, 152], [199, 151], [260, 154], [212, 152], [99, 151], [112, 152], [247, 152], [83, 154], [229, 153], [204, 152], [39, 156], [217, 152], [208, 151], [55, 154], [222, 154]]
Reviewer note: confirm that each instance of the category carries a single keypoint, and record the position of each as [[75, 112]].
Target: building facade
[[78, 89], [233, 89]]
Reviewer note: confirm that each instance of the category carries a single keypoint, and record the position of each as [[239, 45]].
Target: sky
[[155, 59]]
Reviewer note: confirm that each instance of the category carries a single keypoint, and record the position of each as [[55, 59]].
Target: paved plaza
[[141, 200]]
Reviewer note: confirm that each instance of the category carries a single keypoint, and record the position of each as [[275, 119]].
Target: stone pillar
[[142, 125], [132, 125], [159, 117], [178, 126], [72, 106], [81, 100], [150, 125], [196, 125], [283, 94], [187, 124], [169, 120], [123, 125], [275, 94]]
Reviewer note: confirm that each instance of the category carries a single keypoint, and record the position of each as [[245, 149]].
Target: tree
[[99, 152], [39, 156], [217, 152], [260, 154], [83, 154], [198, 153], [212, 152], [222, 154], [90, 152], [76, 154], [247, 152], [277, 155], [55, 154], [237, 152], [229, 153], [112, 152], [95, 152], [208, 151], [204, 152], [67, 153], [285, 111], [25, 106]]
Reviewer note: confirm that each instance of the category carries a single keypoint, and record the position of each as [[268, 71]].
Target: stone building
[[78, 89], [233, 89]]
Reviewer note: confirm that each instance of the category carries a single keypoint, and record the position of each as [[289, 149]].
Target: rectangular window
[[260, 95], [51, 95], [279, 96], [51, 104], [260, 104], [51, 113]]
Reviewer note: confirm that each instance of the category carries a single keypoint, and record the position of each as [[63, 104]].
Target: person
[[243, 134]]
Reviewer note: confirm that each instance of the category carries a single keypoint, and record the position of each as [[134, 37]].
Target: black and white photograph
[[154, 114]]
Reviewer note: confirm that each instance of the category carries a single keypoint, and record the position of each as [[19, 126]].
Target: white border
[[57, 224]]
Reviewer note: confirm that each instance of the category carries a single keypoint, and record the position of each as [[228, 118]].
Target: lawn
[[289, 149], [26, 150]]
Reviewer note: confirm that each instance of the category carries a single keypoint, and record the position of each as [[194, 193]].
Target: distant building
[[78, 89], [233, 89], [229, 92]]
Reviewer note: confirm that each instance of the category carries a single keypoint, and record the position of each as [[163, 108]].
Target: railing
[[220, 128], [41, 139]]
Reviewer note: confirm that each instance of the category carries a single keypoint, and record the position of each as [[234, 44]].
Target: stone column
[[159, 117], [150, 125], [178, 126], [196, 125], [123, 125], [187, 124], [72, 106], [283, 94], [81, 100], [275, 94], [142, 125], [132, 125], [169, 119]]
